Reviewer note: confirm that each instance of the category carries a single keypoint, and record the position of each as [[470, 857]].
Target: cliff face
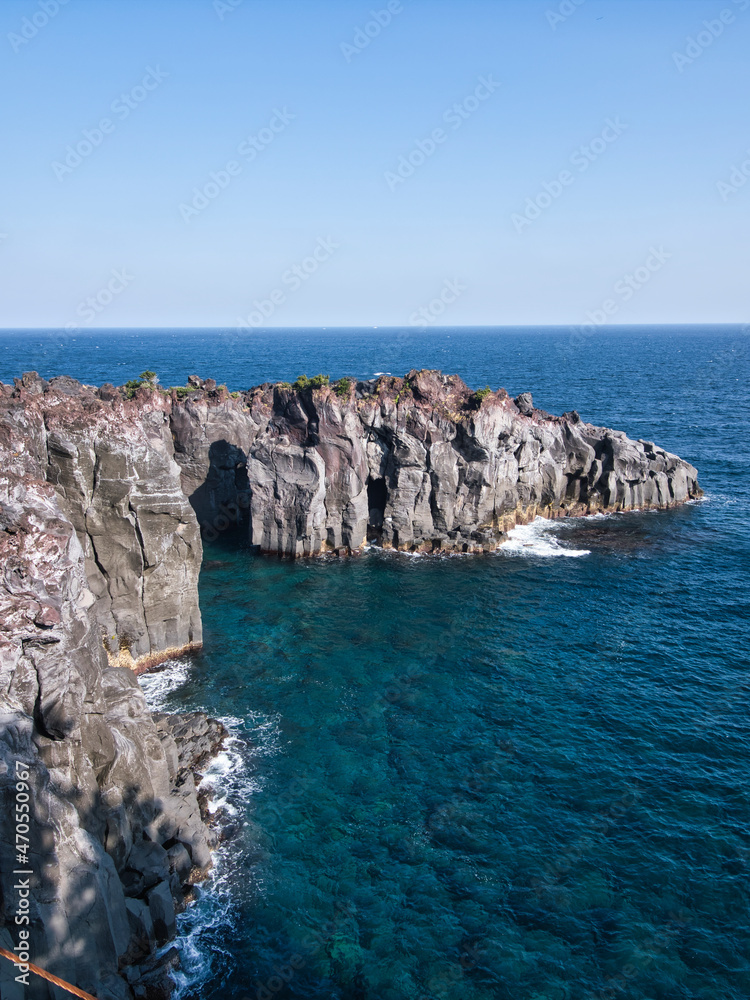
[[115, 826], [420, 463], [97, 542], [111, 463], [102, 500]]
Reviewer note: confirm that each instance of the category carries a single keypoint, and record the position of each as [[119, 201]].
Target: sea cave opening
[[377, 498]]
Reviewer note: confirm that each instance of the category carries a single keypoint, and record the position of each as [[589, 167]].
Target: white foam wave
[[538, 540], [159, 685], [230, 782], [228, 778], [212, 919], [709, 497]]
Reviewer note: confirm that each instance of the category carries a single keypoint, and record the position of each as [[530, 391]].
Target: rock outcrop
[[103, 496], [100, 554], [414, 463], [419, 464], [114, 827], [112, 465]]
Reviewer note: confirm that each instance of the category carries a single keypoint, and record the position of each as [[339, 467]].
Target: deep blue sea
[[522, 776]]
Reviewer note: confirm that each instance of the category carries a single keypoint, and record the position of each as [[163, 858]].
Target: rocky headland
[[104, 495]]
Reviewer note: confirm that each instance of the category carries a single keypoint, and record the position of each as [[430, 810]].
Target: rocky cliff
[[114, 829], [111, 462], [100, 553], [103, 495], [419, 464]]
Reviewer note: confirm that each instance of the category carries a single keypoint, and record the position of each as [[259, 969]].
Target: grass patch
[[302, 382], [343, 388], [477, 398]]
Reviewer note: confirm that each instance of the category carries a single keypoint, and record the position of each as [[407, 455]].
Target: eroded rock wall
[[114, 825], [111, 461], [419, 463], [99, 548]]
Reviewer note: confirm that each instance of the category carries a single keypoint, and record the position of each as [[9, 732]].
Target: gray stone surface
[[419, 463], [108, 788], [161, 907], [111, 462]]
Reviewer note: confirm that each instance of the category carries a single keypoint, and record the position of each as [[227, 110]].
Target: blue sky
[[316, 227]]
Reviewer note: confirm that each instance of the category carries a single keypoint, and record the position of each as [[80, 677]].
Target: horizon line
[[595, 328]]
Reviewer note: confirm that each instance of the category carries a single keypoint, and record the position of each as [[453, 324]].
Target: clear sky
[[313, 220]]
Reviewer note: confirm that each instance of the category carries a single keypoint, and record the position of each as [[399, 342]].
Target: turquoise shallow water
[[524, 775], [520, 776]]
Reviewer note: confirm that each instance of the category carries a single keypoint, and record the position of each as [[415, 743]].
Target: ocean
[[521, 776]]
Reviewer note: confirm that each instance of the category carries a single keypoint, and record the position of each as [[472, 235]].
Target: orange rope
[[47, 975]]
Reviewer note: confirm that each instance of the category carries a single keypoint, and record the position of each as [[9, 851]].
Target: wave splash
[[205, 926], [538, 540], [158, 685]]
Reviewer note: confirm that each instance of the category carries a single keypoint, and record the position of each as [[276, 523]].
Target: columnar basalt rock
[[415, 463], [111, 461], [419, 463], [99, 548], [109, 797]]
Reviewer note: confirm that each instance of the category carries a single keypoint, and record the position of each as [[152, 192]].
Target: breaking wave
[[205, 926], [538, 540]]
